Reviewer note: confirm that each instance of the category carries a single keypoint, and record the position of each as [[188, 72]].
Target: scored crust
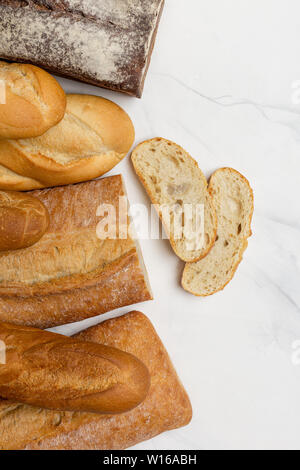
[[94, 136], [70, 274], [191, 278], [166, 407]]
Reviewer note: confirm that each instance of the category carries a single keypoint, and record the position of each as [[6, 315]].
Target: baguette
[[23, 220], [33, 102], [93, 137], [11, 181], [166, 406], [52, 371], [233, 199], [72, 274], [107, 43], [173, 180]]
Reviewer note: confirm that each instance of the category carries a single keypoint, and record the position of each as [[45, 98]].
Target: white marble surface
[[221, 85]]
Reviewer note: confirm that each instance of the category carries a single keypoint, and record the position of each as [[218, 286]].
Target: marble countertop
[[225, 84]]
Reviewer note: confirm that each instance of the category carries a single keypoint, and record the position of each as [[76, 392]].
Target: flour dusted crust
[[23, 220], [70, 274], [106, 43], [166, 407]]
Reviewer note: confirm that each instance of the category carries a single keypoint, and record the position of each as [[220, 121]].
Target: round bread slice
[[33, 101], [93, 137], [178, 189], [233, 200]]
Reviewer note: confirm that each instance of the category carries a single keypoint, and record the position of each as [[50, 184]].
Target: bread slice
[[233, 199], [94, 136], [71, 274], [34, 101], [176, 185], [166, 407]]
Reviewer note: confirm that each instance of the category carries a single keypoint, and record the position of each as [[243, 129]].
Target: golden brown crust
[[166, 407], [35, 101], [70, 274], [52, 371], [23, 220], [242, 248], [94, 136], [11, 181], [156, 201], [107, 47]]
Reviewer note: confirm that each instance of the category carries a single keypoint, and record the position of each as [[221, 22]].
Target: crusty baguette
[[233, 199], [93, 137], [34, 101], [71, 274], [23, 220], [56, 372], [11, 181], [166, 406], [173, 180]]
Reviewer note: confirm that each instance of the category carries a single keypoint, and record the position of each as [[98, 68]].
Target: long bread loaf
[[60, 373], [72, 274]]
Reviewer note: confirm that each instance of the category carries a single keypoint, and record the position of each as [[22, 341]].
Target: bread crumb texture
[[233, 199]]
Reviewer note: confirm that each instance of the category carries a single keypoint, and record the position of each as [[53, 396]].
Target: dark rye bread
[[107, 43]]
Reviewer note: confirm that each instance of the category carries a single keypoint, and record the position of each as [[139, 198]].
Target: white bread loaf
[[233, 199], [33, 101], [173, 180], [52, 371], [93, 137]]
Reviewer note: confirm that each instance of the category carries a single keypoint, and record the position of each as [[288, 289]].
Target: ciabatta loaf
[[166, 406], [233, 199], [56, 372], [23, 220], [72, 274], [178, 188], [92, 138], [31, 101]]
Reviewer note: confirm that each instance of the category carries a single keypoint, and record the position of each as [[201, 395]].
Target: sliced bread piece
[[178, 188], [233, 199]]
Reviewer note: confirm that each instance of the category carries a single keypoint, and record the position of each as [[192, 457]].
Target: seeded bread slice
[[173, 180], [233, 199]]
